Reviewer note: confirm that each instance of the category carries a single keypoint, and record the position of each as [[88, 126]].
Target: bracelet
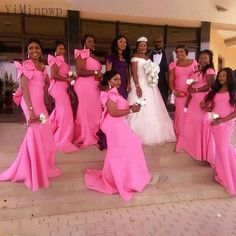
[[137, 85], [30, 108]]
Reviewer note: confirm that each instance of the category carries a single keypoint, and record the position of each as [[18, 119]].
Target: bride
[[152, 123]]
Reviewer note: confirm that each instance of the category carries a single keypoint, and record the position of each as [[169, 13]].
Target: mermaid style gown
[[125, 169], [89, 108], [34, 164], [62, 116]]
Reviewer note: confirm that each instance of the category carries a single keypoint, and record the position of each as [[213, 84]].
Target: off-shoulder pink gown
[[181, 74], [224, 153], [125, 169], [62, 116], [89, 108], [34, 164], [195, 137]]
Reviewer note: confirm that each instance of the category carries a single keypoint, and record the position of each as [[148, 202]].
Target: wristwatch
[[95, 72]]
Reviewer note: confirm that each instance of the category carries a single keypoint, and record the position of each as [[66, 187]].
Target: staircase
[[175, 177]]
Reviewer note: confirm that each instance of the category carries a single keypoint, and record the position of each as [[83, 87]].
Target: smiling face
[[90, 43], [180, 53], [115, 81], [142, 47], [204, 59], [60, 51], [222, 77], [34, 51], [121, 44]]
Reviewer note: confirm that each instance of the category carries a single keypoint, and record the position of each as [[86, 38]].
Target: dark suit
[[162, 83]]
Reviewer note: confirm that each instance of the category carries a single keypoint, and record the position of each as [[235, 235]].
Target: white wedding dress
[[152, 123]]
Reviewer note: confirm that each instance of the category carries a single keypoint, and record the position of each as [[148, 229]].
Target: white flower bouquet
[[190, 81], [214, 115], [42, 118], [141, 102], [72, 75], [152, 70]]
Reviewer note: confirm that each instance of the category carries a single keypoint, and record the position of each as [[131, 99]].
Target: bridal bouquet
[[72, 75], [152, 70]]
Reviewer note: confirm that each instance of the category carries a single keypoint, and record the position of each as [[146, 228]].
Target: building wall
[[217, 45]]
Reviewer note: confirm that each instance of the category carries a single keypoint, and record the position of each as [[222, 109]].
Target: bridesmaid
[[125, 168], [62, 115], [119, 61], [194, 130], [89, 110], [179, 72], [34, 164], [222, 101]]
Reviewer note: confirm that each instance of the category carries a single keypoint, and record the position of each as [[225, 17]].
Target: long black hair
[[106, 78], [59, 42], [114, 48], [33, 40], [84, 38], [217, 86], [211, 63]]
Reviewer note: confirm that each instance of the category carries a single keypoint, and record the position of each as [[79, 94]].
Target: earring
[[109, 86], [55, 54], [28, 55]]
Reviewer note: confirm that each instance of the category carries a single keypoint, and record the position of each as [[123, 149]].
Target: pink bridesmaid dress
[[62, 116], [89, 108], [224, 152], [125, 169], [195, 135], [34, 164], [181, 75]]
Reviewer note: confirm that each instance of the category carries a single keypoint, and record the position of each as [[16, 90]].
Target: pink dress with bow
[[34, 164], [195, 137], [181, 74], [62, 116], [89, 108], [125, 169]]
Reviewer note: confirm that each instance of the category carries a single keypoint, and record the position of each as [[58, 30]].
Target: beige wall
[[219, 48]]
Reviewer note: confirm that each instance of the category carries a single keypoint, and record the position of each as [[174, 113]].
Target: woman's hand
[[203, 106], [217, 121], [176, 93], [32, 117], [128, 88], [98, 76], [139, 91], [191, 89], [135, 108]]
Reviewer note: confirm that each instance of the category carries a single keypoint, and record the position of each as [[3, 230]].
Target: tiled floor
[[215, 217]]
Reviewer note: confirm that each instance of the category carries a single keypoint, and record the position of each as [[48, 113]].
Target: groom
[[158, 56]]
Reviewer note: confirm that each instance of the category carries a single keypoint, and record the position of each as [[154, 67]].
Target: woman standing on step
[[89, 110], [62, 116], [34, 164], [194, 129], [222, 102], [179, 72], [125, 168]]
